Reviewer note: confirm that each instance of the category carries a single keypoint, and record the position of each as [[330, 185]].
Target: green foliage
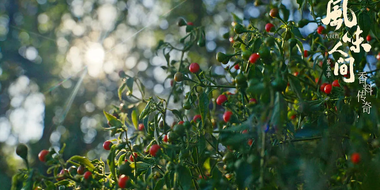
[[284, 133]]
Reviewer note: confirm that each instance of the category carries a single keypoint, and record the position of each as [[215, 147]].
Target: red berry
[[154, 149], [369, 38], [132, 157], [80, 170], [378, 56], [62, 174], [165, 138], [87, 175], [244, 131], [190, 23], [181, 123], [273, 12], [293, 117], [322, 88], [250, 141], [141, 127], [42, 155], [295, 73], [328, 89], [253, 100], [253, 58], [221, 99], [305, 53], [268, 27], [227, 116], [231, 39], [336, 83], [320, 29], [194, 67], [107, 145], [355, 158], [197, 117], [122, 182], [316, 80], [237, 67]]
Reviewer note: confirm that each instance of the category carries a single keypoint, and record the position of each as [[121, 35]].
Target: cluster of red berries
[[327, 88], [42, 156], [320, 29]]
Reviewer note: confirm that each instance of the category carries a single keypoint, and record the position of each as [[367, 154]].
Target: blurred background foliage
[[59, 63], [47, 45]]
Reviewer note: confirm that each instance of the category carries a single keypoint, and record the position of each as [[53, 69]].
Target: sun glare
[[94, 59]]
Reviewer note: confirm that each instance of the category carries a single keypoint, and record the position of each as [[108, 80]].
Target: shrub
[[278, 129]]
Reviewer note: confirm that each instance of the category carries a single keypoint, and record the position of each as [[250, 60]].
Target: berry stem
[[221, 155], [181, 62]]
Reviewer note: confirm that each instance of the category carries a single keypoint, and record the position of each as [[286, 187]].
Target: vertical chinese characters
[[367, 89], [334, 18]]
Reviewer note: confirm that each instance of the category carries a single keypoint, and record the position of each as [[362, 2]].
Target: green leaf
[[16, 182], [63, 182], [233, 139], [245, 125], [113, 120], [285, 12], [146, 110], [280, 111], [177, 113], [296, 32], [147, 174], [167, 57], [121, 90], [236, 18], [364, 22], [216, 174], [372, 175], [156, 129], [243, 173], [358, 56], [160, 184], [300, 48], [129, 83], [111, 162], [135, 119], [256, 45], [82, 160], [203, 106], [185, 177], [140, 165], [201, 144], [300, 3], [160, 43], [374, 27], [121, 160], [295, 85], [206, 165]]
